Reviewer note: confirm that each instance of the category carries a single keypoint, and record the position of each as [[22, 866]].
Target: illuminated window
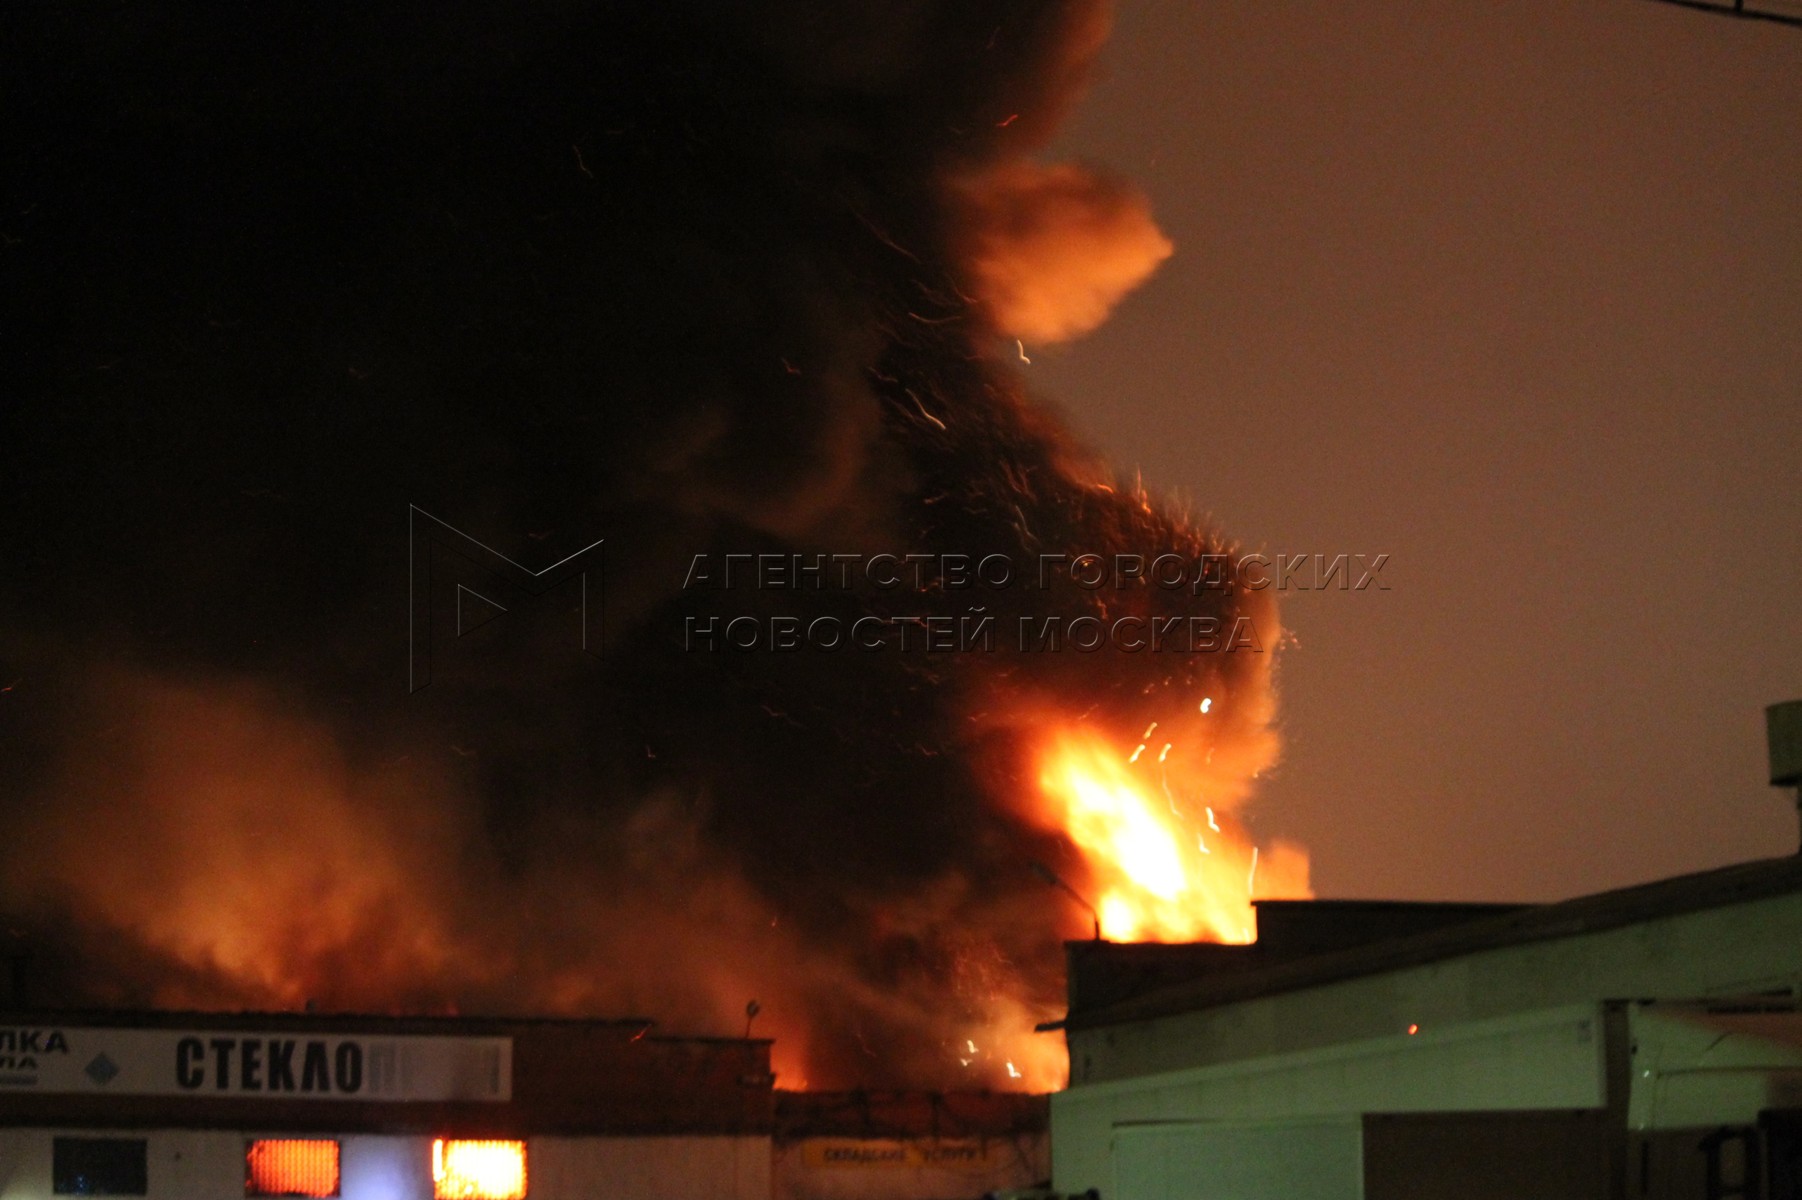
[[98, 1167], [291, 1167], [470, 1170]]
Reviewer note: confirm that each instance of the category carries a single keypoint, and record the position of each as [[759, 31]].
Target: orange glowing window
[[478, 1170], [291, 1167]]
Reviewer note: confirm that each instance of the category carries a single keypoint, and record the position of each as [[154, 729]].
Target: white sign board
[[72, 1059]]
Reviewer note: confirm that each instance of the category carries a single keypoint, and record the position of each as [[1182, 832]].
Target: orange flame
[[478, 1170], [1161, 870], [291, 1167]]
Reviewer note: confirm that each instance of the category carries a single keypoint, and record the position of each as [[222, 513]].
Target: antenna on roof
[[1783, 736], [1051, 877]]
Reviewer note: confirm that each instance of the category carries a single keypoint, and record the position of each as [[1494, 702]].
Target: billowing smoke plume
[[700, 280]]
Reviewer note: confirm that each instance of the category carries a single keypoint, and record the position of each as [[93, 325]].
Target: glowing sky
[[1513, 294]]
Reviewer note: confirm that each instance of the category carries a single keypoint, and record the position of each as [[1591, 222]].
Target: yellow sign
[[952, 1153]]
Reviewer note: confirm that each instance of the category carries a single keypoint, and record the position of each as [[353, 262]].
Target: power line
[[1739, 8]]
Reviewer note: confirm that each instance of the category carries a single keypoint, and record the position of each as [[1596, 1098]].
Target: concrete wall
[[1516, 1027], [190, 1165], [1736, 950], [1552, 1059], [1698, 1070], [1282, 1160]]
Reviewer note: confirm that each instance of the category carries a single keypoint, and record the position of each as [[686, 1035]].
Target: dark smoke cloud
[[699, 279]]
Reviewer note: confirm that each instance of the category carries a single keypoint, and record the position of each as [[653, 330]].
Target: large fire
[[1163, 859], [1163, 863], [819, 243]]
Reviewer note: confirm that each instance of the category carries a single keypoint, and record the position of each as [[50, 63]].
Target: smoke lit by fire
[[697, 280], [1054, 248]]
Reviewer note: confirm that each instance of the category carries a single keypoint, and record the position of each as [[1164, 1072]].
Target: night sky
[[1514, 294]]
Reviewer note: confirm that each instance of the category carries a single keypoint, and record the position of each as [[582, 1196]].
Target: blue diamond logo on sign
[[102, 1069]]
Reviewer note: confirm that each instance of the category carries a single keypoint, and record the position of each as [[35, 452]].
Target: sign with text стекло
[[73, 1059]]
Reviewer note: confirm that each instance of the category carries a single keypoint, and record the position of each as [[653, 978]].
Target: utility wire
[[1739, 8]]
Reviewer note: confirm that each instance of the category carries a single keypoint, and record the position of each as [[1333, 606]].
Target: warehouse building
[[1638, 1043], [190, 1106], [203, 1106]]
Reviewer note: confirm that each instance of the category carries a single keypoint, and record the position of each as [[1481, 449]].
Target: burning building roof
[[1316, 943]]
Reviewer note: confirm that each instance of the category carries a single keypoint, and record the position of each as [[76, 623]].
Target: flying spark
[[923, 411]]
